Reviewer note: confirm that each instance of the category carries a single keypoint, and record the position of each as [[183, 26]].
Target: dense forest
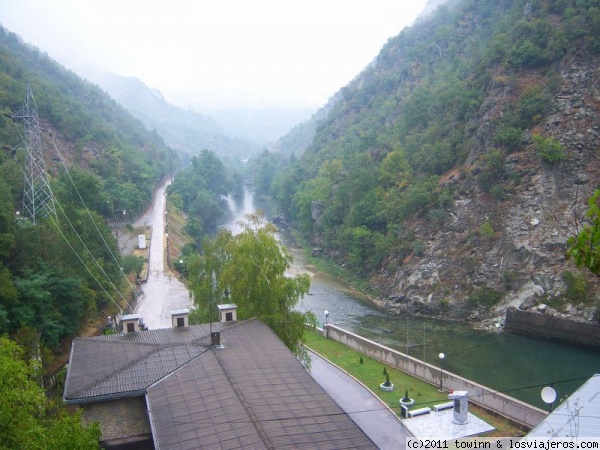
[[102, 165], [453, 174], [199, 191], [424, 162]]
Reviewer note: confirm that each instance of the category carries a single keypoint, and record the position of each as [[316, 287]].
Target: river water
[[517, 365]]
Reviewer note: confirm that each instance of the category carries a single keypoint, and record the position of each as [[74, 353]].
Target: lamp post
[[548, 396], [442, 356], [326, 312]]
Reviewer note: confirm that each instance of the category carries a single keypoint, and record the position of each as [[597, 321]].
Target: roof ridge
[[132, 363], [247, 408], [116, 341]]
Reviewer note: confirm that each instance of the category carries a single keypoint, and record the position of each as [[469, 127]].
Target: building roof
[[227, 306], [251, 392], [114, 366], [131, 317], [579, 415]]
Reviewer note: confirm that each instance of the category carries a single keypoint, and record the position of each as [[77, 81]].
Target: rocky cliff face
[[511, 251]]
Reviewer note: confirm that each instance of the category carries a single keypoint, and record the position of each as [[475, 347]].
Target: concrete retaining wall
[[513, 409], [553, 328]]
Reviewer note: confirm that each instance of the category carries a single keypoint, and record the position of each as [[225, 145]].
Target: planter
[[408, 403], [385, 388]]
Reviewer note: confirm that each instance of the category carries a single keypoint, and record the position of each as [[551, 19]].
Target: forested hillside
[[101, 162], [452, 171]]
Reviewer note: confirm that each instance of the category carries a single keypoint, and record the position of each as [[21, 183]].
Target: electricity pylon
[[38, 201]]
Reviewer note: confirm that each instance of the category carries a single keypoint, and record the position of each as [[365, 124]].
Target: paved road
[[162, 292], [367, 411]]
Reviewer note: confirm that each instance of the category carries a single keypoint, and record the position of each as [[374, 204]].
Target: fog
[[244, 53]]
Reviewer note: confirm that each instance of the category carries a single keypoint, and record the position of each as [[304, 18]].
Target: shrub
[[508, 278], [509, 137], [531, 105], [578, 289], [485, 297], [486, 230], [387, 381], [549, 149], [418, 247], [498, 192]]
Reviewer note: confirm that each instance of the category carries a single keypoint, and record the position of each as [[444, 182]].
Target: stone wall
[[124, 422], [513, 409], [551, 327]]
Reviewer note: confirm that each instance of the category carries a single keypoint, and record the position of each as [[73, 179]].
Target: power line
[[362, 411], [38, 195], [55, 222], [88, 211], [37, 199], [91, 254]]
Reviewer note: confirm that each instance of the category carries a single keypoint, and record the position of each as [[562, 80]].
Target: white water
[[502, 361]]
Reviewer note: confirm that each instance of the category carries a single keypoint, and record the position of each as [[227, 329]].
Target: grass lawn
[[370, 373]]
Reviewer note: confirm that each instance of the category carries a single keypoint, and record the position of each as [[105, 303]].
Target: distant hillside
[[184, 130], [102, 165], [260, 126], [300, 137], [450, 171]]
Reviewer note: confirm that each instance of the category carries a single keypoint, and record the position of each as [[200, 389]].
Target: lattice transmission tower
[[38, 201]]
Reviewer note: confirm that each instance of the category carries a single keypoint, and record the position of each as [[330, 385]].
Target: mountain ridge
[[448, 173]]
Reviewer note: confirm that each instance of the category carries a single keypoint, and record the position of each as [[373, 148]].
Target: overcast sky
[[262, 52]]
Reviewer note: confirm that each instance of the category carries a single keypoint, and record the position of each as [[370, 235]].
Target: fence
[[511, 408]]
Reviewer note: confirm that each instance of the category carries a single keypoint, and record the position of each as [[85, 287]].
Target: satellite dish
[[548, 395]]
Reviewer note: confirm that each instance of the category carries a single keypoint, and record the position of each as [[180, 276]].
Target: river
[[517, 365]]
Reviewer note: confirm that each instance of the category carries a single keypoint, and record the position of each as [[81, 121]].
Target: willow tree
[[249, 269]]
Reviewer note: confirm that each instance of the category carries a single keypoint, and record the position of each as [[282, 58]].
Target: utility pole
[[38, 201]]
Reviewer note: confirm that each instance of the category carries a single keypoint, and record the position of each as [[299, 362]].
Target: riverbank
[[551, 325]]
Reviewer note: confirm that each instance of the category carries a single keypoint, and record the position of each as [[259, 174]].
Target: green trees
[[56, 274], [249, 269], [198, 188], [468, 80], [584, 248], [27, 418]]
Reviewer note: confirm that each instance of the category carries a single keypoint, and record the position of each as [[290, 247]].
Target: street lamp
[[442, 356], [548, 396], [326, 312]]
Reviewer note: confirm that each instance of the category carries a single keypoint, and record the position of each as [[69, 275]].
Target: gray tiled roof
[[123, 365], [251, 393]]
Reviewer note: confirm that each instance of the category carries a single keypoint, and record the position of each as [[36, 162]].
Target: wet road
[[366, 410], [162, 292]]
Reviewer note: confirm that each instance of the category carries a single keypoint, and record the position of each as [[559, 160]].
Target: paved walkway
[[367, 411]]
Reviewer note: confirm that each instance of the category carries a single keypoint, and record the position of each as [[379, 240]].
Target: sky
[[217, 52]]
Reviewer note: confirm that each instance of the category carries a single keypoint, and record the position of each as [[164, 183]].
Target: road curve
[[368, 412]]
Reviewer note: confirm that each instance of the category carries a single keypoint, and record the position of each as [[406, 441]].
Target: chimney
[[215, 338], [227, 313], [130, 323], [179, 318]]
